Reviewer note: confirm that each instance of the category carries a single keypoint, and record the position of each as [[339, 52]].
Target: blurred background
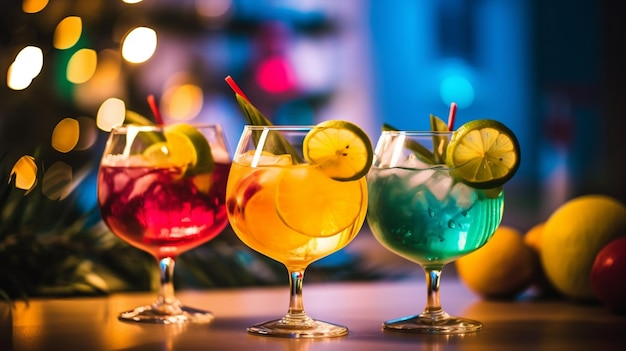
[[550, 70]]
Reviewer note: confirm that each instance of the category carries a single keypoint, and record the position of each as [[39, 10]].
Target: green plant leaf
[[440, 143], [275, 142]]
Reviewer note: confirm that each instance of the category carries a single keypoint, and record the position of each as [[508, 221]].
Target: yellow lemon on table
[[572, 237], [533, 238], [503, 268]]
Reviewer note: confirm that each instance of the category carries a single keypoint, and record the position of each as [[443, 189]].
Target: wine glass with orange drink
[[297, 194]]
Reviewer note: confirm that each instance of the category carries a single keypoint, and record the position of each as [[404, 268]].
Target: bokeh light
[[139, 44], [104, 83], [213, 8], [182, 102], [57, 181], [82, 65], [26, 66], [67, 32], [33, 6], [275, 75], [457, 88], [87, 133], [65, 135], [110, 114], [25, 173]]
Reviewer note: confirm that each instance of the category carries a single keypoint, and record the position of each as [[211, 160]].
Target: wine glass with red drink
[[162, 189]]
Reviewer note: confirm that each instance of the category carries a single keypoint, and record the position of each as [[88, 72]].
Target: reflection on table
[[91, 323]]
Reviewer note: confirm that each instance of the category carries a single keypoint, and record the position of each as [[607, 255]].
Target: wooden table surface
[[91, 323]]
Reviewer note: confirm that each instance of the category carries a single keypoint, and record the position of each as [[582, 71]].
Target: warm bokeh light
[[16, 79], [139, 44], [131, 1], [182, 102], [111, 113], [57, 181], [65, 135], [25, 172], [27, 65], [67, 32], [33, 6], [82, 65], [106, 81], [87, 133]]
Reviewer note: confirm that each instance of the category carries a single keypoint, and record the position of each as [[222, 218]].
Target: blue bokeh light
[[456, 88]]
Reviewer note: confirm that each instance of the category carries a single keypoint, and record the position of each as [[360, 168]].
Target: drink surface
[[252, 196], [160, 211], [427, 217]]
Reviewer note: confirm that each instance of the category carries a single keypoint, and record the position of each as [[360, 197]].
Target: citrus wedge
[[188, 147], [484, 153], [340, 149], [311, 203]]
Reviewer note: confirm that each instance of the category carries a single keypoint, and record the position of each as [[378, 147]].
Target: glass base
[[425, 325], [166, 314], [309, 328]]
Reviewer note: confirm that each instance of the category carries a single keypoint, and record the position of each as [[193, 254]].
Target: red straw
[[452, 116], [155, 109], [235, 87]]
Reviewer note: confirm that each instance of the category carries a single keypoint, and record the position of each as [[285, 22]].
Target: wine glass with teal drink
[[435, 196]]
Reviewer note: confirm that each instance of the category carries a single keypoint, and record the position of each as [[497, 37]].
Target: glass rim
[[287, 127], [416, 132], [158, 127]]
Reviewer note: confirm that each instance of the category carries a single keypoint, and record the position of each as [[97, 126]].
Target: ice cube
[[263, 158], [412, 161], [142, 185], [379, 173], [120, 180], [419, 202], [439, 184], [418, 178], [384, 153], [464, 195]]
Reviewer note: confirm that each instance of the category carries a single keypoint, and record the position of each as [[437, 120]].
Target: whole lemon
[[572, 237], [533, 239], [503, 268], [534, 235]]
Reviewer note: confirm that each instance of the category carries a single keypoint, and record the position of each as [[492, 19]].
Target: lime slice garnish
[[340, 149], [484, 153], [311, 203]]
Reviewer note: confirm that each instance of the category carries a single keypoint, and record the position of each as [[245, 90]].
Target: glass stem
[[166, 290], [433, 310], [296, 304]]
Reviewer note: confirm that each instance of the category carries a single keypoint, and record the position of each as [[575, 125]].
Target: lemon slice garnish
[[484, 153], [340, 149], [185, 147]]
